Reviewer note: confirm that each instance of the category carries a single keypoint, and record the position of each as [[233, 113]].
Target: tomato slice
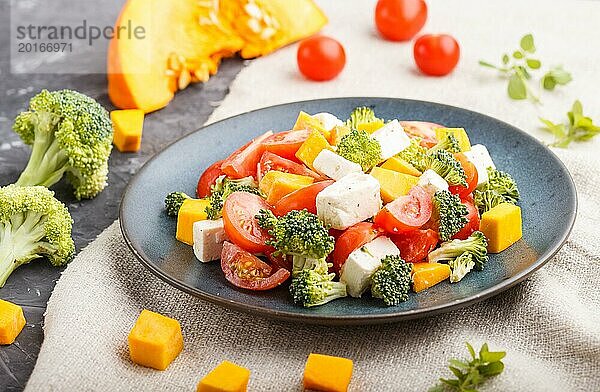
[[353, 238], [424, 130], [286, 144], [244, 270], [415, 245], [473, 221], [207, 179], [239, 211], [270, 161], [472, 177], [304, 198], [242, 163], [406, 213]]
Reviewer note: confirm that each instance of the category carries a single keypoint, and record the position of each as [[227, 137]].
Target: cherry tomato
[[472, 177], [353, 238], [415, 245], [270, 161], [321, 58], [422, 129], [286, 144], [280, 261], [436, 54], [244, 270], [400, 20], [406, 213], [241, 227], [242, 163], [303, 198], [472, 224], [208, 178]]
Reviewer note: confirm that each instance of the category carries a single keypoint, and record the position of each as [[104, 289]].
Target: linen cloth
[[549, 325]]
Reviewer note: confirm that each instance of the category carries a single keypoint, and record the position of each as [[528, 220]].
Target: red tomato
[[472, 177], [436, 54], [280, 261], [285, 144], [472, 224], [270, 161], [303, 198], [239, 211], [400, 20], [406, 213], [321, 58], [208, 178], [243, 269], [415, 245], [242, 163], [353, 238], [424, 130]]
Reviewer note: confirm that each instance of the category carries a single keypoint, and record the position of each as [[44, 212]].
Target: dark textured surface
[[31, 285]]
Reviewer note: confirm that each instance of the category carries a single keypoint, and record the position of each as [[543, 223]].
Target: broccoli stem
[[47, 163]]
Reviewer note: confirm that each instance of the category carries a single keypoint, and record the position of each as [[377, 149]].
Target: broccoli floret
[[359, 147], [449, 144], [224, 187], [70, 134], [415, 154], [33, 224], [173, 202], [449, 214], [310, 288], [461, 266], [443, 163], [500, 188], [391, 282], [361, 115], [475, 245]]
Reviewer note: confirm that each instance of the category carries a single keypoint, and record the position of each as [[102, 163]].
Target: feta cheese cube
[[392, 138], [328, 120], [480, 157], [330, 164], [432, 182], [209, 236], [350, 200], [357, 271], [381, 247]]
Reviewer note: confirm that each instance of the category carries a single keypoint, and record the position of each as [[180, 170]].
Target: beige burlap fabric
[[549, 325]]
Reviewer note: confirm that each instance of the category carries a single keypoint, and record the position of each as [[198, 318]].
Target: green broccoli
[[359, 147], [443, 163], [500, 188], [173, 202], [449, 144], [475, 245], [460, 266], [224, 187], [391, 282], [449, 214], [310, 288], [361, 115], [70, 134], [33, 224], [415, 154]]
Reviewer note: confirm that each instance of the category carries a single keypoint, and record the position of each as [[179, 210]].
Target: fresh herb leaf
[[518, 54], [516, 87], [527, 43], [579, 129], [534, 63], [556, 76]]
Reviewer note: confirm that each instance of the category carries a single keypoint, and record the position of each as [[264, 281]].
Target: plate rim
[[353, 319]]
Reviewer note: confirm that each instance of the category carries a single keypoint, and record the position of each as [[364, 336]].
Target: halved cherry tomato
[[406, 213], [242, 163], [472, 224], [472, 177], [270, 161], [436, 54], [208, 178], [353, 238], [422, 129], [400, 20], [320, 58], [244, 270], [415, 245], [239, 211], [286, 144], [303, 198]]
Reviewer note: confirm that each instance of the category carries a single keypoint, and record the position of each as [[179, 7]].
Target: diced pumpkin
[[337, 133], [393, 184], [400, 165], [192, 210], [426, 275], [327, 373], [311, 147], [227, 377], [128, 125], [12, 321], [276, 184], [155, 340], [502, 226], [459, 133], [370, 126], [306, 121]]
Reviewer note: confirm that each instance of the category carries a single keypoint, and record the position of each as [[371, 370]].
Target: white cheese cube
[[209, 236], [357, 271], [328, 120], [392, 138], [352, 199], [432, 182], [330, 164], [381, 247], [480, 157]]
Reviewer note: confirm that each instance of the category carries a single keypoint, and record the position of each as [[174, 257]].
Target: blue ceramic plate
[[548, 203]]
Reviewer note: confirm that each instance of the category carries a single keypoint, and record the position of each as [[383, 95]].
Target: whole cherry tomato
[[400, 20], [321, 58], [436, 54]]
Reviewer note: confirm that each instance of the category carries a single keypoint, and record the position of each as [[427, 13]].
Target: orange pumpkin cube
[[128, 126], [155, 340], [227, 377], [326, 373], [12, 321], [191, 211], [311, 147], [426, 275]]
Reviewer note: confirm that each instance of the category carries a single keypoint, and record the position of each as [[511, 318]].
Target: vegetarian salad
[[343, 208]]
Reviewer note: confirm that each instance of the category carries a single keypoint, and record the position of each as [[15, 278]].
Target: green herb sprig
[[470, 374], [580, 128]]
